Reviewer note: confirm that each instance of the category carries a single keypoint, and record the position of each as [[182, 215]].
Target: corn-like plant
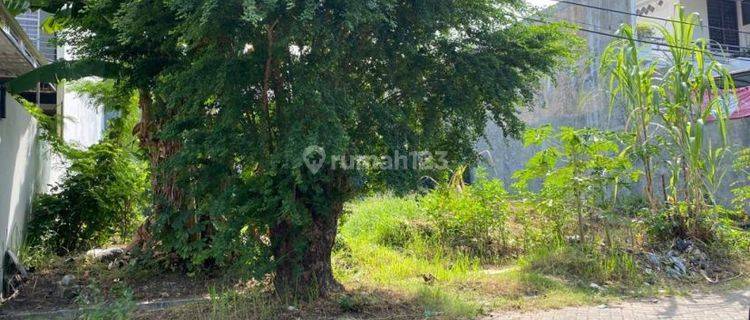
[[631, 78], [669, 100]]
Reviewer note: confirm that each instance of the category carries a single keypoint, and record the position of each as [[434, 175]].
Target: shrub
[[104, 189], [579, 173], [101, 196], [728, 239], [470, 218]]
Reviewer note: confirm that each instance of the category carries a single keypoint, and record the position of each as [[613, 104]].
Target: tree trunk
[[303, 254], [166, 193]]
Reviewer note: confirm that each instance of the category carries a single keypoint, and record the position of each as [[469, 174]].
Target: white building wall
[[666, 10], [24, 171], [84, 122]]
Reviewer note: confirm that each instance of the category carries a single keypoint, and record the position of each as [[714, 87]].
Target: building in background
[[25, 162], [578, 97], [84, 121], [32, 23]]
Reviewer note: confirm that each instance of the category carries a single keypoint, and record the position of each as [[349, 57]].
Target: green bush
[[104, 190], [471, 219], [575, 178], [101, 196]]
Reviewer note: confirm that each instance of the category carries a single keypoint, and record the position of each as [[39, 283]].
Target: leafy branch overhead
[[63, 70]]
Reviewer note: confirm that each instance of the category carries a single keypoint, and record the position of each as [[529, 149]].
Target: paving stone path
[[729, 306]]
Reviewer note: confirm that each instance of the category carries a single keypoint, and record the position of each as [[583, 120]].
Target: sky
[[541, 3]]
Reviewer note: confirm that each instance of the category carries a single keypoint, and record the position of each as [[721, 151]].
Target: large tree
[[269, 79], [246, 87]]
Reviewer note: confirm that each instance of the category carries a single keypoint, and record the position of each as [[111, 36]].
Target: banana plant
[[63, 70]]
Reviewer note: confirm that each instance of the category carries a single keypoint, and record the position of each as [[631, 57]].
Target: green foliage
[[47, 125], [389, 221], [100, 196], [365, 78], [668, 108], [361, 77], [471, 219], [579, 172], [15, 7], [742, 189], [103, 192], [585, 264], [730, 238], [117, 100], [445, 282]]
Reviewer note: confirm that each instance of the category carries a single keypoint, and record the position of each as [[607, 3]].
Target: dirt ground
[[44, 289], [44, 295]]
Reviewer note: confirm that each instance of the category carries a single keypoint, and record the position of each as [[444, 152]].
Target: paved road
[[730, 306]]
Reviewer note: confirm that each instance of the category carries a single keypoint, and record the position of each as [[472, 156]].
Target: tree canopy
[[242, 88]]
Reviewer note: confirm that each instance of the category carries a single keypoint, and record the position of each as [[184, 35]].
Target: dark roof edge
[[10, 27]]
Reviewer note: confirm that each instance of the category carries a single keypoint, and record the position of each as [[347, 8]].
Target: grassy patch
[[443, 282]]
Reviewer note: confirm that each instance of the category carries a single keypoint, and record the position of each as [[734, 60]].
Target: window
[[745, 12], [723, 24], [2, 100]]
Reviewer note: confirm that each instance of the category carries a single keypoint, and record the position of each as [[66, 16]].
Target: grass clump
[[585, 265]]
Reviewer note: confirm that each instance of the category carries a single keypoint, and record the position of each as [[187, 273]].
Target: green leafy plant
[[15, 7], [354, 78], [103, 192], [101, 196], [470, 218], [579, 172], [229, 180], [668, 107], [741, 190]]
